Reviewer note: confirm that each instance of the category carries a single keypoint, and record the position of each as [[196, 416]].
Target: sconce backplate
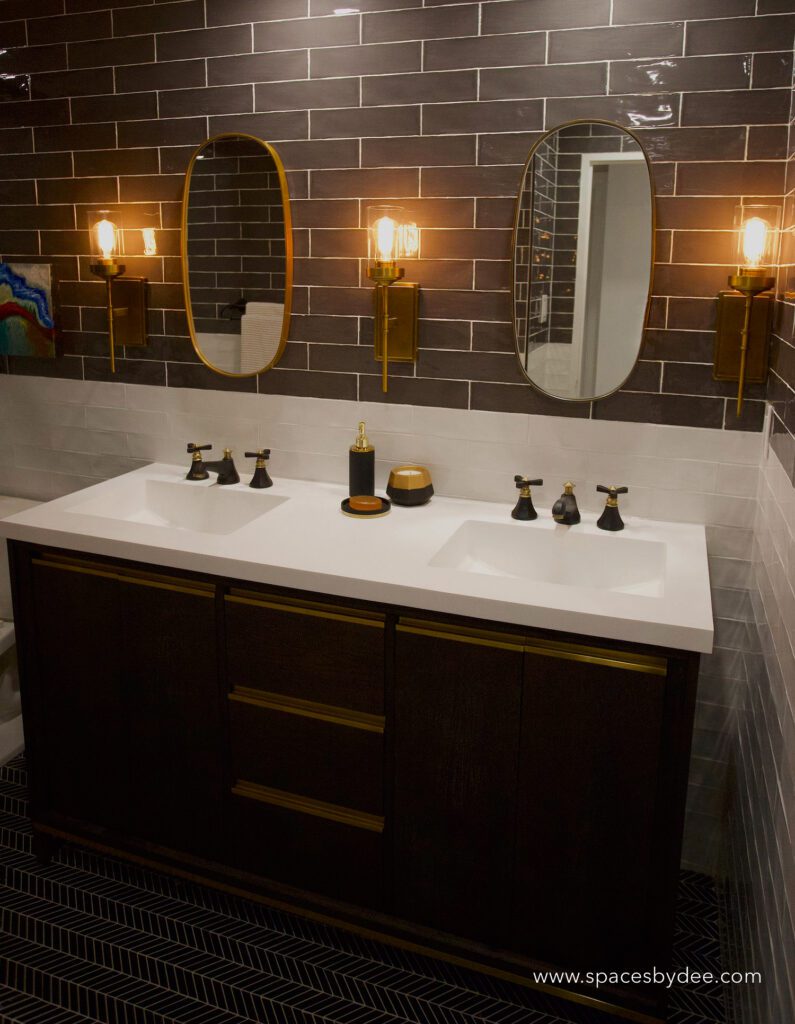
[[129, 312], [731, 309], [403, 307]]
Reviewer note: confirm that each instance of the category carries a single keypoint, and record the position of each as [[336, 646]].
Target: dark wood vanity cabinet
[[503, 795]]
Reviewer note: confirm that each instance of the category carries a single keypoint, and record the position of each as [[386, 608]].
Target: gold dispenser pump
[[361, 444]]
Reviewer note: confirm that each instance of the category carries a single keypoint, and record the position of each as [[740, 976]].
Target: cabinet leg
[[44, 848]]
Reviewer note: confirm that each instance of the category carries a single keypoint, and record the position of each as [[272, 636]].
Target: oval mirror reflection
[[582, 259], [237, 254]]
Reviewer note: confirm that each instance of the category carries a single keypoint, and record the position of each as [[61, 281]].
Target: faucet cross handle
[[612, 491], [524, 509], [523, 481], [611, 519], [261, 454], [198, 470], [261, 478]]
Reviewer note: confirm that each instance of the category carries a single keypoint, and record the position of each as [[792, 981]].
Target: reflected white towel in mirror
[[260, 333]]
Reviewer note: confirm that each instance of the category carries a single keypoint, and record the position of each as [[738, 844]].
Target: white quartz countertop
[[305, 542]]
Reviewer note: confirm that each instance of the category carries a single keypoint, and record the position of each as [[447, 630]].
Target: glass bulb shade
[[757, 236], [104, 234], [390, 236]]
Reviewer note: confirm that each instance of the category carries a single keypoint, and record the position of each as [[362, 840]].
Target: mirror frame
[[514, 234], [288, 250]]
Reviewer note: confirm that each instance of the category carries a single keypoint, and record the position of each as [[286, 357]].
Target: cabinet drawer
[[323, 752], [315, 846], [309, 650]]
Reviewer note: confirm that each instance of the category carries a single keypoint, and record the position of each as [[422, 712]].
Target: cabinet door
[[457, 703], [173, 709], [124, 699], [592, 725], [74, 718]]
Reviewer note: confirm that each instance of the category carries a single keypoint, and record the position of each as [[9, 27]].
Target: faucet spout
[[565, 510], [225, 468]]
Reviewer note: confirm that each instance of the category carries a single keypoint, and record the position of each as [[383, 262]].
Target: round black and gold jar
[[410, 485]]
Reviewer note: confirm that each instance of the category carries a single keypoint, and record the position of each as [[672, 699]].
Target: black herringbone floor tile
[[89, 938]]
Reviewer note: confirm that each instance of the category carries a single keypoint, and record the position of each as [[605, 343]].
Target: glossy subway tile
[[453, 134]]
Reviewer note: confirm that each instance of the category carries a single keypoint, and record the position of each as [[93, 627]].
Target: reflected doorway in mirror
[[582, 259]]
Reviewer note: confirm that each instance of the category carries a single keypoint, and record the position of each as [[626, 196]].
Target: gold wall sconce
[[125, 296], [390, 237], [745, 314]]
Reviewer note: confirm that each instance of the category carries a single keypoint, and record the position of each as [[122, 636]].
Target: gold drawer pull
[[306, 805], [141, 579], [598, 656], [461, 634], [308, 709], [628, 660], [311, 608]]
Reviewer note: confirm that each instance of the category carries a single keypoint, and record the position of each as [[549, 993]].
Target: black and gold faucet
[[565, 509], [200, 470], [611, 519], [524, 506], [261, 478]]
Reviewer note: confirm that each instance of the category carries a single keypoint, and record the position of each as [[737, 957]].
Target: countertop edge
[[697, 639]]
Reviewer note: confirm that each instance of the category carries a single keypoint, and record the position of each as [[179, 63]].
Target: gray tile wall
[[428, 103], [762, 813]]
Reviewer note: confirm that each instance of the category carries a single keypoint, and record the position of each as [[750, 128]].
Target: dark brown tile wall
[[429, 103]]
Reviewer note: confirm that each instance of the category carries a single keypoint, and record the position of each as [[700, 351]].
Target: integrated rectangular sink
[[179, 505], [648, 584], [562, 556]]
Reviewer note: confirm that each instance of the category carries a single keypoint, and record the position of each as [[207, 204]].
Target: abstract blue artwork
[[27, 327]]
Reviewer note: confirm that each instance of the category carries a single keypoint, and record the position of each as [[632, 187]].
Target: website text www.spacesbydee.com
[[683, 977]]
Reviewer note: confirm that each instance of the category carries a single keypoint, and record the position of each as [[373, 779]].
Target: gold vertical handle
[[385, 334], [111, 325], [744, 352]]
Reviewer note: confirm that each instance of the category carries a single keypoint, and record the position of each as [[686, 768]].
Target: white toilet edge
[[7, 636]]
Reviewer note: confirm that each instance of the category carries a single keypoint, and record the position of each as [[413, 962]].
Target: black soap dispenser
[[361, 465]]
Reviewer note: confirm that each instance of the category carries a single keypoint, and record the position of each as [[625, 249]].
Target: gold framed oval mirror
[[237, 254], [582, 259]]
